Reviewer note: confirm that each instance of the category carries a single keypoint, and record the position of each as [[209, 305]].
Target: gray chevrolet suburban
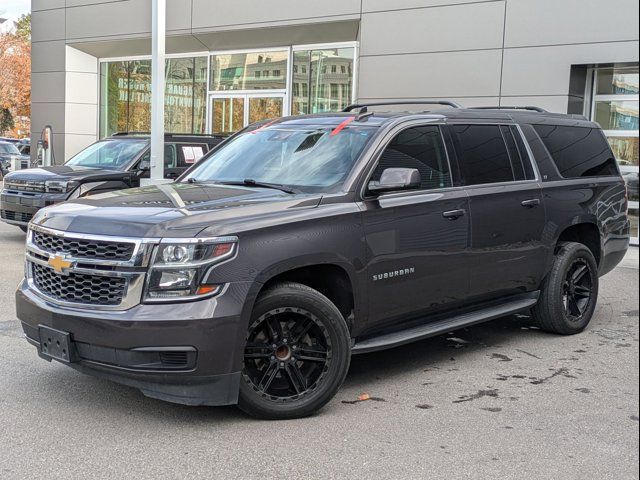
[[304, 240]]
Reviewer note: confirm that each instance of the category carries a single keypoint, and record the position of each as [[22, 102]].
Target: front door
[[416, 240], [230, 113], [506, 209]]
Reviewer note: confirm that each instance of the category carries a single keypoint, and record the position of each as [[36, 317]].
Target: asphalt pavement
[[498, 401]]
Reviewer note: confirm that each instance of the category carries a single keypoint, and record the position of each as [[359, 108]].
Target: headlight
[[178, 268], [60, 186]]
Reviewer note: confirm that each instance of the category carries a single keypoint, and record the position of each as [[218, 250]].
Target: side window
[[514, 155], [482, 154], [578, 151], [420, 148], [190, 153], [170, 157], [520, 161], [529, 174]]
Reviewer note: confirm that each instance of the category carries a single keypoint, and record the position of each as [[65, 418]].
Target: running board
[[395, 339]]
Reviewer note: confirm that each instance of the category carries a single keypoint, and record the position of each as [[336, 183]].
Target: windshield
[[303, 157], [9, 148], [109, 154]]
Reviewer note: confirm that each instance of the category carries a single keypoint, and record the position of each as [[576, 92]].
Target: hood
[[64, 172], [174, 210]]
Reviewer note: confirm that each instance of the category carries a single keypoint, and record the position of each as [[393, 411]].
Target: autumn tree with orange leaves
[[15, 76]]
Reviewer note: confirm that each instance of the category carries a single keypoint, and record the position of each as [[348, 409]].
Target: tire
[[563, 306], [276, 385]]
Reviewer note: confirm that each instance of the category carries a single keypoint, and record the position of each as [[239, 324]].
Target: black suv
[[304, 240], [114, 163]]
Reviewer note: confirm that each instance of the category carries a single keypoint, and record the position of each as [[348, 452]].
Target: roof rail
[[448, 103], [524, 107], [167, 134], [122, 134]]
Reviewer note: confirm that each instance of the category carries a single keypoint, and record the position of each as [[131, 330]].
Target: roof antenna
[[363, 114]]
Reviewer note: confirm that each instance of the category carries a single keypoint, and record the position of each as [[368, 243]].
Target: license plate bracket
[[56, 344]]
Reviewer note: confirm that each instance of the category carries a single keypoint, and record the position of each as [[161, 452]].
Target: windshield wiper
[[250, 182]]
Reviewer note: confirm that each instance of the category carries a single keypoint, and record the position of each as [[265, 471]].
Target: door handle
[[534, 202], [453, 214]]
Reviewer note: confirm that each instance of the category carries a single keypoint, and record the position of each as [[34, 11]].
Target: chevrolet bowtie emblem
[[59, 264]]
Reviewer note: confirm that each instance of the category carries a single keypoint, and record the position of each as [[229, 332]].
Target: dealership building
[[232, 63]]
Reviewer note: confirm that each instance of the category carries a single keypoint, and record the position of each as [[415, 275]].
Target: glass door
[[230, 113], [227, 114]]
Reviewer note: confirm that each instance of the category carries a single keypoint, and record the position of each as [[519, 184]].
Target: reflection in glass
[[125, 102], [114, 97], [633, 218], [200, 95], [322, 80], [263, 108], [249, 71], [625, 149], [618, 81], [227, 115], [631, 179], [139, 108], [618, 115]]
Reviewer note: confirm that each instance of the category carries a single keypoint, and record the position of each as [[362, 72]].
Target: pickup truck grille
[[16, 216], [24, 186], [83, 249], [79, 288]]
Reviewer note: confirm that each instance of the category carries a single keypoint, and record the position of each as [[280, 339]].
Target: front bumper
[[127, 346], [18, 208]]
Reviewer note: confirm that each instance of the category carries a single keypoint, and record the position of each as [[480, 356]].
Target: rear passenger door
[[416, 240], [507, 254]]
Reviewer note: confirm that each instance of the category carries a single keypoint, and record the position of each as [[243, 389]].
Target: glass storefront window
[[322, 80], [261, 108], [249, 71], [618, 81], [125, 103], [139, 108], [615, 108], [625, 150], [615, 115]]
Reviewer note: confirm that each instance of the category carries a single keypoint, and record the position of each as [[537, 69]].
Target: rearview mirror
[[393, 179]]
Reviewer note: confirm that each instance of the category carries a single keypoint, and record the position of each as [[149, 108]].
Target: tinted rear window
[[578, 151], [482, 154]]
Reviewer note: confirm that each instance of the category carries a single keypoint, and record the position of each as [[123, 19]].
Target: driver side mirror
[[144, 165], [394, 179]]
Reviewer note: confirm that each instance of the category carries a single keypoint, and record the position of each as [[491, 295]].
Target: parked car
[[10, 140], [8, 151], [114, 163], [302, 241]]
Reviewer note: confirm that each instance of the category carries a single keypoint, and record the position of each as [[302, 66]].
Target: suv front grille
[[24, 186], [16, 216], [79, 288], [87, 249]]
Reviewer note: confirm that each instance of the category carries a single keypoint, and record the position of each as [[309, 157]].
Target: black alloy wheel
[[287, 354], [577, 289], [569, 293], [296, 355]]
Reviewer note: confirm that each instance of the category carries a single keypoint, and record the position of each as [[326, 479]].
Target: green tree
[[6, 120], [23, 27]]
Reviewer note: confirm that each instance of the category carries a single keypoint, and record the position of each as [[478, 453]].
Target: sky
[[12, 9]]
